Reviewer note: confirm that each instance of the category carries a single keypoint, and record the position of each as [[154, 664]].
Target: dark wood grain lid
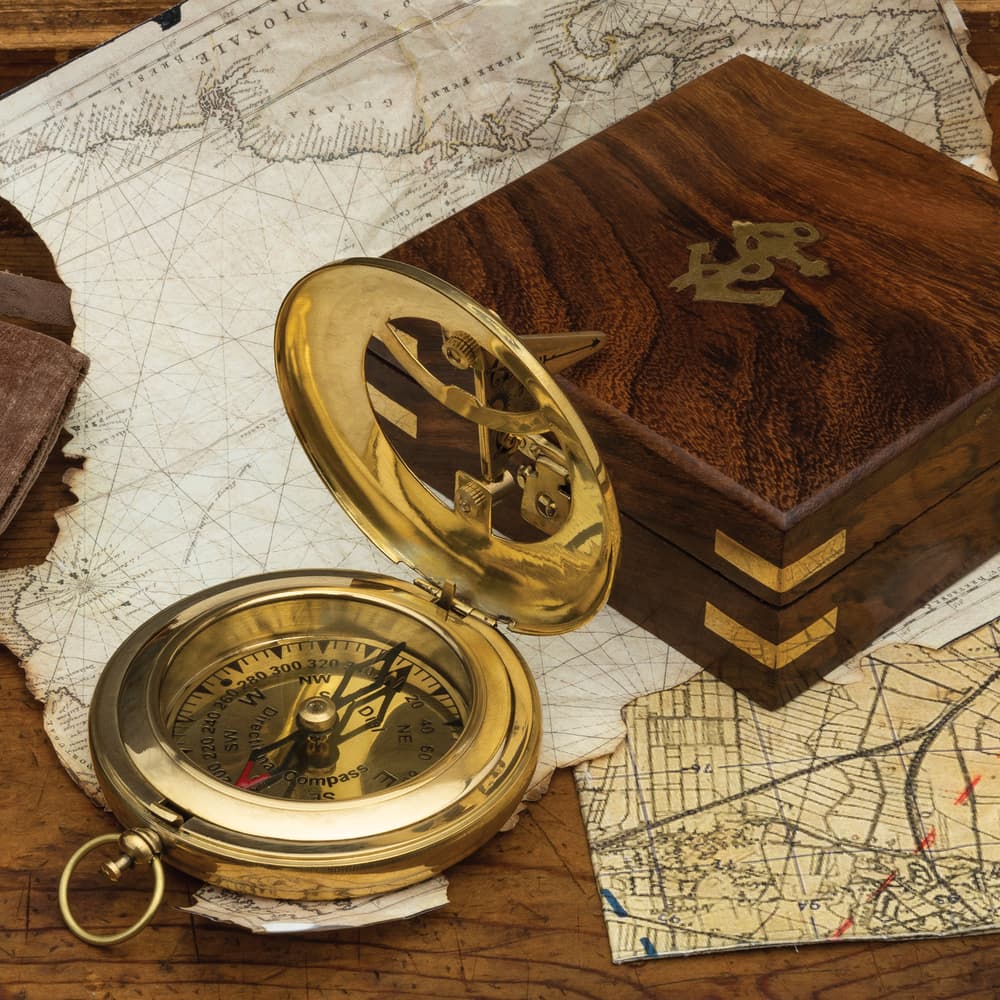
[[793, 403]]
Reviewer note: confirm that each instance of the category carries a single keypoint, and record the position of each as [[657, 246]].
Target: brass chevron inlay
[[780, 578], [774, 656]]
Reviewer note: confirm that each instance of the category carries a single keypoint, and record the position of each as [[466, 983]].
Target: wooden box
[[797, 396]]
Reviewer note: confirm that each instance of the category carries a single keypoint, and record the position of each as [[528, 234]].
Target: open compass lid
[[547, 585]]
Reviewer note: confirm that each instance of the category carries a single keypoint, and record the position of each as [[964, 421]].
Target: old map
[[185, 175], [867, 809]]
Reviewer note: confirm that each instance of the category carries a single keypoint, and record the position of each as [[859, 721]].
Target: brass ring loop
[[104, 940]]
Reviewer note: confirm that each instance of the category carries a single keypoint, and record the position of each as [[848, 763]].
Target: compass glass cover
[[312, 697], [317, 717]]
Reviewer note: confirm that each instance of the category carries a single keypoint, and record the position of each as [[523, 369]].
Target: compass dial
[[317, 718]]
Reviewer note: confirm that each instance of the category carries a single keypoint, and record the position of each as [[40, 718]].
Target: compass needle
[[386, 658], [245, 781]]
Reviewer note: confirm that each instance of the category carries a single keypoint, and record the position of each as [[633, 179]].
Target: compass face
[[317, 718]]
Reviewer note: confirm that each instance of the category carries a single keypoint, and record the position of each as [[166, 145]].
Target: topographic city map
[[185, 175], [867, 809]]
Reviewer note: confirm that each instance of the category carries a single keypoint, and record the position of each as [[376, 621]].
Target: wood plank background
[[524, 921]]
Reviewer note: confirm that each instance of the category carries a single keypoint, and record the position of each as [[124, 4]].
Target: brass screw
[[472, 496], [545, 505], [460, 349]]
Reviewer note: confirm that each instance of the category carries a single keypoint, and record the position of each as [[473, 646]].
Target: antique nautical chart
[[185, 175]]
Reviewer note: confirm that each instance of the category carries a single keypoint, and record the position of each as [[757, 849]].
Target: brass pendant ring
[[105, 940]]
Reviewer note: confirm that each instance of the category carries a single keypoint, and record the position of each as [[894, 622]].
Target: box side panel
[[864, 512], [771, 653]]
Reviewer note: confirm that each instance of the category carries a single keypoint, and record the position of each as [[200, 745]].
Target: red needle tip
[[245, 781]]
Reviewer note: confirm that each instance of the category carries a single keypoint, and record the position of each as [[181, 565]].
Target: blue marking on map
[[612, 901]]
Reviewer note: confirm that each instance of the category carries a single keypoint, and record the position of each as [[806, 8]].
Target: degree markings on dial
[[380, 676]]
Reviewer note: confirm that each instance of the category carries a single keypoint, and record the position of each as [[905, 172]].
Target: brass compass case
[[353, 835], [318, 733]]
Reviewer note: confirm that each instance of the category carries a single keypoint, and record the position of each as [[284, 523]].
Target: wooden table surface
[[524, 919]]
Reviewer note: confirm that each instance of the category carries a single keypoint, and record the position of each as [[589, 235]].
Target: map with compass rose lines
[[187, 174]]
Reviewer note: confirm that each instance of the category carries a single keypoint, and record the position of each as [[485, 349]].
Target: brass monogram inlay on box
[[772, 655], [718, 276], [780, 579]]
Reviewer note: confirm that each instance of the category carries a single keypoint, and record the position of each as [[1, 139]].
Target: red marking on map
[[845, 926], [927, 842], [849, 922], [885, 885], [964, 796]]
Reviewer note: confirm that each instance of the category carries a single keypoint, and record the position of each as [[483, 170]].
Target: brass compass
[[326, 734]]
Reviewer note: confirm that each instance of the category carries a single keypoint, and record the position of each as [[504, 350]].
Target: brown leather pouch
[[39, 377]]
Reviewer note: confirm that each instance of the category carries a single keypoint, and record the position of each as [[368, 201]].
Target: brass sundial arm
[[556, 351], [460, 402]]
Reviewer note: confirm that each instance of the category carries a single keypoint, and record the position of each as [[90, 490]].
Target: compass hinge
[[443, 595]]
